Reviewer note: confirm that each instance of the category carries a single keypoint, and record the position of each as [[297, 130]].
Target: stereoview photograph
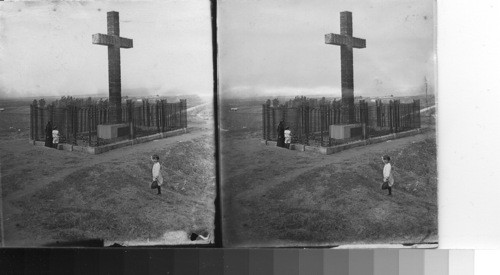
[[107, 129], [327, 123]]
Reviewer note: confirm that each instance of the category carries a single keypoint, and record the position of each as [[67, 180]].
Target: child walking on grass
[[388, 178], [157, 172]]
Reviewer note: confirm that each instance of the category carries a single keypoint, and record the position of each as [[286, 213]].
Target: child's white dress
[[157, 173], [388, 174], [55, 136], [288, 136]]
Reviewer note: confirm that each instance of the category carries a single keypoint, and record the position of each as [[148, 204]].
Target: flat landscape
[[273, 196], [52, 197]]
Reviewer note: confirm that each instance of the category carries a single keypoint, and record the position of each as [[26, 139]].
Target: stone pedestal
[[112, 131], [346, 131]]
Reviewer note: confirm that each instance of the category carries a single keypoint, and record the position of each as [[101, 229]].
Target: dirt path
[[269, 167], [27, 169]]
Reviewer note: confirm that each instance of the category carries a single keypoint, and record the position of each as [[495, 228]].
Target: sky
[[46, 48], [278, 47]]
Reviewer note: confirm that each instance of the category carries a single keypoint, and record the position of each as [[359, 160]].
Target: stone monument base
[[110, 131], [346, 131]]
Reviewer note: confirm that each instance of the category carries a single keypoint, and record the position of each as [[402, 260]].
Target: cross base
[[346, 131], [110, 131]]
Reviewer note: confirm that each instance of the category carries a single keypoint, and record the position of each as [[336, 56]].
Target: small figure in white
[[388, 178], [55, 137], [157, 172], [288, 137]]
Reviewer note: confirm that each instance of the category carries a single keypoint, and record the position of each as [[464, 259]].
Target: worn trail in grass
[[50, 195], [273, 196]]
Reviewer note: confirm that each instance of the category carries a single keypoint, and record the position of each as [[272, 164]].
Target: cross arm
[[111, 40], [337, 39]]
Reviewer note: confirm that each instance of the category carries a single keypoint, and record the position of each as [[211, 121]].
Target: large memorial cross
[[114, 43], [346, 42]]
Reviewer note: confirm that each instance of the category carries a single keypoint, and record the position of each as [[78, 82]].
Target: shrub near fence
[[77, 123], [309, 120]]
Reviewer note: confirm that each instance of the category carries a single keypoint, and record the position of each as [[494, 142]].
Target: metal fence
[[309, 123], [78, 124]]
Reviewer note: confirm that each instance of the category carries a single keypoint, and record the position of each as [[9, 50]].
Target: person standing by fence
[[48, 134], [281, 134]]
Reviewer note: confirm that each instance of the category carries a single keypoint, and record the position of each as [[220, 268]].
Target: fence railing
[[78, 124], [309, 123]]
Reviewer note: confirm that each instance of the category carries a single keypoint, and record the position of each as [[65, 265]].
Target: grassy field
[[274, 196], [246, 121], [51, 196], [112, 200], [15, 122]]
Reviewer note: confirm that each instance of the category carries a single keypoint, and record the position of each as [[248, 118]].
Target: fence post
[[89, 118], [367, 120], [165, 115], [75, 123], [157, 116], [362, 118], [130, 119], [180, 114], [391, 115], [79, 119], [307, 124], [42, 124], [273, 114], [417, 107], [162, 115], [395, 116], [69, 133], [313, 119], [175, 114], [168, 113], [270, 130], [36, 122], [398, 116], [173, 121], [185, 114], [143, 112], [377, 113], [93, 126], [321, 122], [31, 123], [330, 122], [264, 122], [66, 133], [50, 116], [148, 114], [53, 113], [300, 124]]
